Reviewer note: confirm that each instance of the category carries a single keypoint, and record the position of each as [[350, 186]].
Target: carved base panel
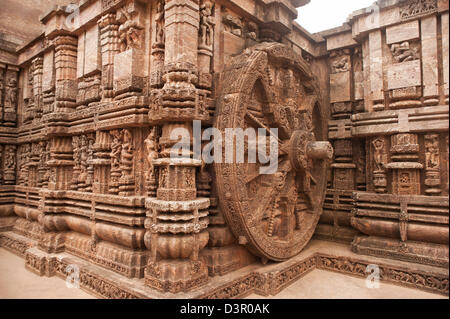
[[15, 243], [27, 228], [7, 223], [176, 275], [262, 280], [340, 234], [417, 252], [127, 262], [223, 260]]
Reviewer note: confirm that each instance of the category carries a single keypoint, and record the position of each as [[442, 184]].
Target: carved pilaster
[[152, 149], [9, 165], [65, 72], [157, 58], [11, 93], [110, 46], [379, 160], [61, 163], [116, 149], [1, 164], [404, 165], [432, 165], [35, 108], [205, 45], [177, 219], [129, 73], [101, 162], [127, 181]]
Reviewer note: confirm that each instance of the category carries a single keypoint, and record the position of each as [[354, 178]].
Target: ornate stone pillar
[[9, 165], [37, 104], [158, 40], [101, 162], [10, 96], [109, 41], [379, 151], [65, 72], [1, 164], [177, 219], [205, 45], [404, 165], [432, 165]]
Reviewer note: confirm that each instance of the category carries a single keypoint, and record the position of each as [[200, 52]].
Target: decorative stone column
[[65, 72], [177, 219], [101, 162], [10, 96], [9, 165], [37, 71], [432, 165], [379, 151], [109, 41], [158, 40], [404, 165]]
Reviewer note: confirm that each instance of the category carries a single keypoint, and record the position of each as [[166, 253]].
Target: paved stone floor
[[17, 282]]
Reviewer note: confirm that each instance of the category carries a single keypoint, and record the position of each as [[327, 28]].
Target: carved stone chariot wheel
[[274, 215]]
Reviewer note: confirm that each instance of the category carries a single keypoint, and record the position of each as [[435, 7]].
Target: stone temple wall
[[388, 193], [88, 105]]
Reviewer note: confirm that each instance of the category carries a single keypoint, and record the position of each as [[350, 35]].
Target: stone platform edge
[[264, 281]]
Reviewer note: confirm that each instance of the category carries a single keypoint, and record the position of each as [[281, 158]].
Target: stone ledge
[[262, 280]]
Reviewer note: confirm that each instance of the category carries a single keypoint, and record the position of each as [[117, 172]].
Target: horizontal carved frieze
[[416, 120]]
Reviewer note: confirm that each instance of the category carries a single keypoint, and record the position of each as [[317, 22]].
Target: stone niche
[[128, 71]]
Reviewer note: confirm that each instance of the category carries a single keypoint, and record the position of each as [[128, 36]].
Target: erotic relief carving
[[130, 31], [432, 151], [11, 95], [207, 23], [403, 52], [340, 61], [159, 25], [151, 146]]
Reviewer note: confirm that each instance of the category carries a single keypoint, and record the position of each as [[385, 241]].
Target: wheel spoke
[[256, 121]]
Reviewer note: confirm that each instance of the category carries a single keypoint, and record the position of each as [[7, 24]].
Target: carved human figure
[[378, 155], [341, 65], [9, 164], [126, 155], [159, 19], [402, 52], [11, 96], [151, 147], [432, 151], [130, 35], [206, 24], [76, 151], [10, 158], [116, 148]]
